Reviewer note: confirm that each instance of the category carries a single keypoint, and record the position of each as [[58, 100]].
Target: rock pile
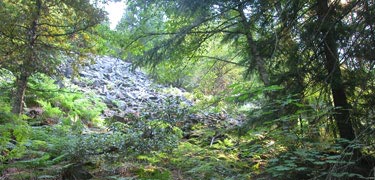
[[124, 89], [127, 91]]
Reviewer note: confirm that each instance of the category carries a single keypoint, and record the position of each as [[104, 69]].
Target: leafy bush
[[172, 109], [128, 140], [146, 136]]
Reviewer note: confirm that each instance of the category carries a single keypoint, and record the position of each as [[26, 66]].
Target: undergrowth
[[156, 143]]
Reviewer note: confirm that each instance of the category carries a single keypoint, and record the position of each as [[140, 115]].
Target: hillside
[[121, 107], [187, 89]]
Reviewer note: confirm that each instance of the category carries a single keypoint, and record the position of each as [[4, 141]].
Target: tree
[[332, 65], [35, 34], [183, 30], [308, 47]]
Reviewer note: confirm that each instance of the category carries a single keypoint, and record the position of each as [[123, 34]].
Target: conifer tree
[[35, 34]]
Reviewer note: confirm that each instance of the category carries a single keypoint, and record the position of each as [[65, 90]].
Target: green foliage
[[49, 111], [5, 114], [41, 86], [291, 128], [310, 163], [107, 145], [144, 136], [247, 91], [172, 109], [49, 31], [141, 137], [63, 103], [6, 80], [209, 163], [175, 74], [13, 137], [63, 27], [109, 42], [153, 173], [87, 108], [46, 146]]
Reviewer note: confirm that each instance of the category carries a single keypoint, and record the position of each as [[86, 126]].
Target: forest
[[187, 90]]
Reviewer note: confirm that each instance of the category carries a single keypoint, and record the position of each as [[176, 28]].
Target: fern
[[13, 137]]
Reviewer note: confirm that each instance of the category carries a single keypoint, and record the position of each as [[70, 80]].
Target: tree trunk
[[332, 65], [19, 95], [253, 50], [21, 82]]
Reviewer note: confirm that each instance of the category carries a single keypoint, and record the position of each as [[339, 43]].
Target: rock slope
[[126, 90], [122, 88]]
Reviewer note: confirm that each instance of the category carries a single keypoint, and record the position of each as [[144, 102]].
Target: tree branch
[[220, 59]]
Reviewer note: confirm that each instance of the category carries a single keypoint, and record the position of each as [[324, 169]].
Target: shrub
[[146, 136]]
